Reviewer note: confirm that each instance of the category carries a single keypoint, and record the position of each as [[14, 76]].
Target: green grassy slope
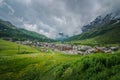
[[105, 34], [9, 30], [10, 48], [56, 66]]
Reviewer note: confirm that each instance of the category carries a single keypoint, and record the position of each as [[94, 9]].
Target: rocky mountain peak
[[101, 20]]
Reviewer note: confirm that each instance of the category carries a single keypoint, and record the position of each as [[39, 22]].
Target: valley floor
[[36, 65]]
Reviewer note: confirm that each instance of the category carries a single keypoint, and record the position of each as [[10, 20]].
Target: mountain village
[[70, 48]]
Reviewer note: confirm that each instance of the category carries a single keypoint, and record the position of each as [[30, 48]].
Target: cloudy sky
[[50, 17]]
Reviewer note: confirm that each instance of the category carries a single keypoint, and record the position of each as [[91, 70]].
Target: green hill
[[105, 34], [10, 48], [10, 31], [51, 65]]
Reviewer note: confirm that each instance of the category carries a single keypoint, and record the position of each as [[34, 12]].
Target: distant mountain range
[[104, 29], [8, 30]]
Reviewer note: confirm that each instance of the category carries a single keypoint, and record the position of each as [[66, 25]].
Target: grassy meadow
[[20, 62]]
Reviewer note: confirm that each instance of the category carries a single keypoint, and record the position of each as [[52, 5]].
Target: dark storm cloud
[[50, 17]]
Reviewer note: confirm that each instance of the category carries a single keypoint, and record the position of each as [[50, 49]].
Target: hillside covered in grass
[[53, 65], [10, 48], [8, 30], [99, 34]]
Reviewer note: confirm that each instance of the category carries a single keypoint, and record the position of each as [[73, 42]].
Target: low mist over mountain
[[63, 18], [49, 17], [102, 20], [104, 29], [8, 30]]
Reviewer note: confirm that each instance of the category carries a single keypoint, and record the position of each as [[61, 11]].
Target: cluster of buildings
[[68, 48], [28, 42], [78, 49]]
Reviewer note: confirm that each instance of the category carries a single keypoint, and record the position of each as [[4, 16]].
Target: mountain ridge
[[102, 20], [101, 30], [7, 29]]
